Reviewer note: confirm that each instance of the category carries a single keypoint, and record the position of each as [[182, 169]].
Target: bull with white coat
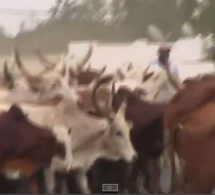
[[91, 137]]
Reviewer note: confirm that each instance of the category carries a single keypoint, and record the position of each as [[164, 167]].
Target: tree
[[2, 32], [205, 22], [55, 9], [22, 28]]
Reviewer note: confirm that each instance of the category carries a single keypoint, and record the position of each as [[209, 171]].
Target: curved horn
[[146, 70], [100, 73], [130, 66], [8, 77], [20, 64], [147, 76], [43, 60], [122, 109], [102, 70], [97, 77], [89, 66], [66, 74], [60, 67], [120, 74], [110, 100], [113, 89], [101, 82], [43, 72], [85, 59]]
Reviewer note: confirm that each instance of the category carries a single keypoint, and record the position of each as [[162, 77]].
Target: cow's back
[[192, 97], [140, 112]]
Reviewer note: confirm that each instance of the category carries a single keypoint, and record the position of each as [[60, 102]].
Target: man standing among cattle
[[163, 62], [164, 81]]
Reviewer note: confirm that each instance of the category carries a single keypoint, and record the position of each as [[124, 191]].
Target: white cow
[[91, 137]]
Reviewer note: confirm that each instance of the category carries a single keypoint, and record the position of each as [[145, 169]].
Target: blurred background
[[52, 24]]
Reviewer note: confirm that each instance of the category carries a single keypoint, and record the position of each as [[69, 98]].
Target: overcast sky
[[11, 20]]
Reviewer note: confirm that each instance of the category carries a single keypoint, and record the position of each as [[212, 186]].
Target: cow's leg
[[133, 185], [59, 177], [72, 184], [40, 176], [145, 173], [82, 180], [96, 176], [76, 182], [125, 176], [33, 184], [154, 171], [151, 171], [50, 180]]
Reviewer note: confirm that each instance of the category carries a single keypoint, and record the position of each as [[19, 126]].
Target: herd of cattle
[[71, 128]]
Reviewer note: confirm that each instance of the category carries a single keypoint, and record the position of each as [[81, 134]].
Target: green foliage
[[206, 24]]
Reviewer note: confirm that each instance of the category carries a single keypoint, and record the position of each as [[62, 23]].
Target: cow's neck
[[91, 151], [67, 106]]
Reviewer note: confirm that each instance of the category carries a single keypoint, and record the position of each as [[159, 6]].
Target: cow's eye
[[119, 134], [35, 89], [54, 85]]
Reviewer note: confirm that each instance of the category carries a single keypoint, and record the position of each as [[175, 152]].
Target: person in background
[[163, 62]]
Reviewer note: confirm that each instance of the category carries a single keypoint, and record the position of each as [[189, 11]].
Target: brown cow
[[85, 77], [190, 121], [191, 97], [24, 146], [201, 77], [147, 139]]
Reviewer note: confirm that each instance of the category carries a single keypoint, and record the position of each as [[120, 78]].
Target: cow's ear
[[106, 129], [16, 113], [130, 125], [111, 117]]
